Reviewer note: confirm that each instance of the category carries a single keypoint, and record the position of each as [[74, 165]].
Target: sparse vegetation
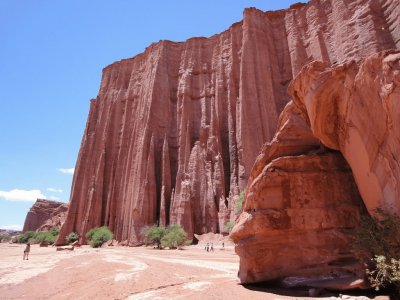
[[72, 237], [4, 238], [377, 244], [98, 236], [154, 234], [24, 237], [239, 202], [33, 237], [385, 272], [229, 226], [175, 237], [172, 237]]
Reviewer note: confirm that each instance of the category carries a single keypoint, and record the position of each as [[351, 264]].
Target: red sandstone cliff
[[45, 214], [303, 204], [174, 131]]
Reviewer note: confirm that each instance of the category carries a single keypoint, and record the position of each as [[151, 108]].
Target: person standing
[[26, 251]]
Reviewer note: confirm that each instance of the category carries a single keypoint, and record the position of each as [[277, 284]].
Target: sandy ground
[[124, 273]]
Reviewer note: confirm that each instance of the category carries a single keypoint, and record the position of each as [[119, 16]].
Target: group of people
[[210, 247]]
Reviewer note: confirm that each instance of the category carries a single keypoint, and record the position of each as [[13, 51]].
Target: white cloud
[[54, 198], [22, 195], [11, 227], [54, 190], [66, 171]]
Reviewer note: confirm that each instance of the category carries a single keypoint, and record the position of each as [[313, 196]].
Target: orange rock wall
[[174, 131], [44, 215], [355, 110]]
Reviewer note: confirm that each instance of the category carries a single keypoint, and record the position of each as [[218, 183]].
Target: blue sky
[[51, 57]]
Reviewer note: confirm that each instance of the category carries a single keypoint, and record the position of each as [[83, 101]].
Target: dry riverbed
[[123, 273]]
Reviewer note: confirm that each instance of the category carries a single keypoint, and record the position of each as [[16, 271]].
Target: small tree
[[24, 238], [385, 272], [175, 237], [229, 226], [98, 236], [54, 231], [377, 244], [239, 202], [154, 234], [72, 237]]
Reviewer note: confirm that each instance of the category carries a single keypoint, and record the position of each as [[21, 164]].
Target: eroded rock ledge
[[302, 203]]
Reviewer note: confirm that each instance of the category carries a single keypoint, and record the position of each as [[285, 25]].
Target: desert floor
[[125, 273]]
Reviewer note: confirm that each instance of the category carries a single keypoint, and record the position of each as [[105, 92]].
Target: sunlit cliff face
[[304, 200]]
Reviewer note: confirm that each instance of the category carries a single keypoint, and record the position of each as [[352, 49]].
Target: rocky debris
[[44, 244], [65, 248], [302, 202], [44, 215], [174, 131], [75, 244]]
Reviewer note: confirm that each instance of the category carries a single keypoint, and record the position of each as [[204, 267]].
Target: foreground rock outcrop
[[45, 214], [302, 203], [174, 131]]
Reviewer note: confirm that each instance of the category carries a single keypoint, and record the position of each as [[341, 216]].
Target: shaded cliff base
[[333, 158]]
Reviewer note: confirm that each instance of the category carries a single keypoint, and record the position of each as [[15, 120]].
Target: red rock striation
[[174, 131], [302, 202], [45, 214]]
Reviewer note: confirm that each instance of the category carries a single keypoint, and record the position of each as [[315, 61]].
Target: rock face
[[302, 202], [45, 214], [174, 131], [356, 110]]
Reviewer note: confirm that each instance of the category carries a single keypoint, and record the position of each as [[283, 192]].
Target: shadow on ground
[[275, 288]]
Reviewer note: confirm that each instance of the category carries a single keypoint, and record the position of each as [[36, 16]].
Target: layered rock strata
[[44, 215], [174, 131], [302, 203]]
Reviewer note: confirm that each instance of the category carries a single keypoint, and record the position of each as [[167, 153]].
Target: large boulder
[[333, 158]]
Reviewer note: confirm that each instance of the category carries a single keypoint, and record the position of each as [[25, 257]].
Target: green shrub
[[385, 272], [154, 234], [43, 236], [229, 226], [175, 237], [172, 237], [239, 202], [24, 237], [98, 236], [38, 237], [54, 231], [377, 244], [72, 237]]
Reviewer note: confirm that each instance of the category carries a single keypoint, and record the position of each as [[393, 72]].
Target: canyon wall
[[302, 200], [174, 131], [44, 215]]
